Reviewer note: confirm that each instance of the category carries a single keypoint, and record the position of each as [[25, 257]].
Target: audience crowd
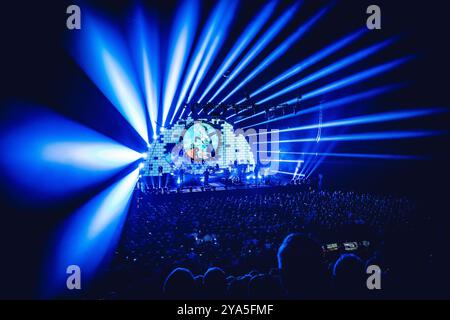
[[268, 243]]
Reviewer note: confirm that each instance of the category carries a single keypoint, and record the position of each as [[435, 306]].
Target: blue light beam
[[182, 36], [90, 234], [361, 76], [210, 39], [354, 155], [49, 156], [388, 135], [358, 56], [265, 39], [333, 104], [103, 56], [147, 58], [322, 54], [244, 40], [372, 118], [279, 51]]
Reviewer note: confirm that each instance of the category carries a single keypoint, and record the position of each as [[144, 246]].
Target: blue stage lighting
[[330, 69], [182, 113], [147, 57], [181, 39], [240, 45], [104, 58], [262, 43], [332, 104], [354, 155], [90, 234], [250, 117], [387, 135], [213, 35], [286, 160], [56, 156], [372, 118], [361, 76], [206, 64], [283, 172], [278, 52], [322, 54]]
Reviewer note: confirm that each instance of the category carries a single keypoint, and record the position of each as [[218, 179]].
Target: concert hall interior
[[227, 149]]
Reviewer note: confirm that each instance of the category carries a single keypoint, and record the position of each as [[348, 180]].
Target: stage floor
[[214, 186]]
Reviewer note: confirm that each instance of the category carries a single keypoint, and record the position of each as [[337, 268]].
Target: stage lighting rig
[[217, 111], [223, 109], [207, 107], [278, 110], [236, 108], [226, 74], [296, 105]]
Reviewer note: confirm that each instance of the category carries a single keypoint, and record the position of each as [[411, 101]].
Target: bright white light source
[[93, 155]]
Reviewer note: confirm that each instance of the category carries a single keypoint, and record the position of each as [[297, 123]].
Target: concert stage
[[212, 187]]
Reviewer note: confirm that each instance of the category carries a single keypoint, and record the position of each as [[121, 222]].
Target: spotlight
[[141, 165], [162, 129], [144, 155], [155, 136]]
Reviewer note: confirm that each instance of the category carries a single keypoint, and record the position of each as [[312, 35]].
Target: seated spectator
[[265, 287], [302, 267], [238, 288], [199, 285], [349, 278], [241, 231], [214, 283], [179, 284]]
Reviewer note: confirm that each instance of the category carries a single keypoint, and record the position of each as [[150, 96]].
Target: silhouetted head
[[238, 288], [348, 275], [265, 287], [179, 284], [215, 283], [301, 265]]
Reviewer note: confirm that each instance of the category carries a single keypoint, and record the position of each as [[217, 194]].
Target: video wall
[[195, 145]]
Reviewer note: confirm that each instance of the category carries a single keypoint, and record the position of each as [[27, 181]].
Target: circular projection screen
[[200, 141], [194, 145]]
